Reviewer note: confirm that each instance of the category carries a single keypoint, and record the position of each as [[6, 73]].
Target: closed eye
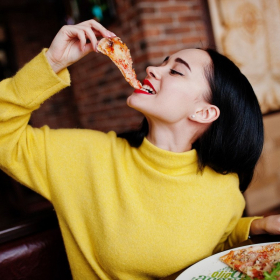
[[173, 72]]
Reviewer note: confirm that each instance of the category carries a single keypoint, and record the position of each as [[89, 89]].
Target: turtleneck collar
[[168, 162]]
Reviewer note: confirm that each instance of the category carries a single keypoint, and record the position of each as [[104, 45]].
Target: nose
[[153, 71]]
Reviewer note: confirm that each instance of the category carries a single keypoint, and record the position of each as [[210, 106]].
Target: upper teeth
[[148, 89]]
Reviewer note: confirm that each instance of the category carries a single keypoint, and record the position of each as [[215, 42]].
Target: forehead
[[195, 57]]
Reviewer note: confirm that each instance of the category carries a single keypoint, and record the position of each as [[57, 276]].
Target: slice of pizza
[[119, 53], [253, 261]]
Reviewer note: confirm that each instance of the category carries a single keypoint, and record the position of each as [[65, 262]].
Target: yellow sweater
[[124, 213]]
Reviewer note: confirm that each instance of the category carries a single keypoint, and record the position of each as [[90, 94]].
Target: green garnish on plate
[[274, 275]]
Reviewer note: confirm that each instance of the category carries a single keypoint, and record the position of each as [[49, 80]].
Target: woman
[[146, 210]]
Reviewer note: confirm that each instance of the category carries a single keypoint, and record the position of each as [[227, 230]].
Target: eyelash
[[173, 72]]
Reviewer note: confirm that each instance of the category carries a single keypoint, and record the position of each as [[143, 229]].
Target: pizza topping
[[118, 52], [274, 275], [254, 261]]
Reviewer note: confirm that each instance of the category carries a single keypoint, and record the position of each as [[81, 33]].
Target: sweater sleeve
[[239, 234], [22, 150]]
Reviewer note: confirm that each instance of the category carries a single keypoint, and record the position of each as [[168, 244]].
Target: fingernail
[[111, 34]]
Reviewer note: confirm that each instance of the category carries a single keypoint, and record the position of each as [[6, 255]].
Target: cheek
[[179, 103], [177, 98], [172, 109]]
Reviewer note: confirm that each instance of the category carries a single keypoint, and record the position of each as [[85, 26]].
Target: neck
[[172, 137]]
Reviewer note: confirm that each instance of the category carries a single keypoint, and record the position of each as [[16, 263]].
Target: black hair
[[233, 143]]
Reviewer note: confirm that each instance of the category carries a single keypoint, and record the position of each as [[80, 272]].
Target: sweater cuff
[[36, 81], [244, 226]]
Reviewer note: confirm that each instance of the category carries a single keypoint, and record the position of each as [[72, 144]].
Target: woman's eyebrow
[[180, 60]]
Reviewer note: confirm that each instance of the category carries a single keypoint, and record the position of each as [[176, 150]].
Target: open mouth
[[147, 88]]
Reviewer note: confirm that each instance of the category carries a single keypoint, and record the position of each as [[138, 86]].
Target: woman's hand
[[267, 225], [73, 42]]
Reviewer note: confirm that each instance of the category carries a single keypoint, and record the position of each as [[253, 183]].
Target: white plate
[[212, 268]]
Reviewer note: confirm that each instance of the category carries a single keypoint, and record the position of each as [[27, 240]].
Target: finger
[[97, 27], [82, 38], [89, 35], [75, 33]]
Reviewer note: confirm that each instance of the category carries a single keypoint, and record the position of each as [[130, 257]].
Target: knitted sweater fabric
[[124, 212]]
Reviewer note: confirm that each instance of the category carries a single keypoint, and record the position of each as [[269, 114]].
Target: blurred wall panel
[[248, 31]]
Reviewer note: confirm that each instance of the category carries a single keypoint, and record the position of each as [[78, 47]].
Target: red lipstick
[[145, 82], [141, 91]]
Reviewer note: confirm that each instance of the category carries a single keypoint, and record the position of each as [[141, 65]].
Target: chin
[[131, 101]]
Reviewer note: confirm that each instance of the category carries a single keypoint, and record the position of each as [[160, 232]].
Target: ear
[[208, 114]]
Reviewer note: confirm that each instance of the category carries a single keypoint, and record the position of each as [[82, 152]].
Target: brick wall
[[97, 99], [31, 26]]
